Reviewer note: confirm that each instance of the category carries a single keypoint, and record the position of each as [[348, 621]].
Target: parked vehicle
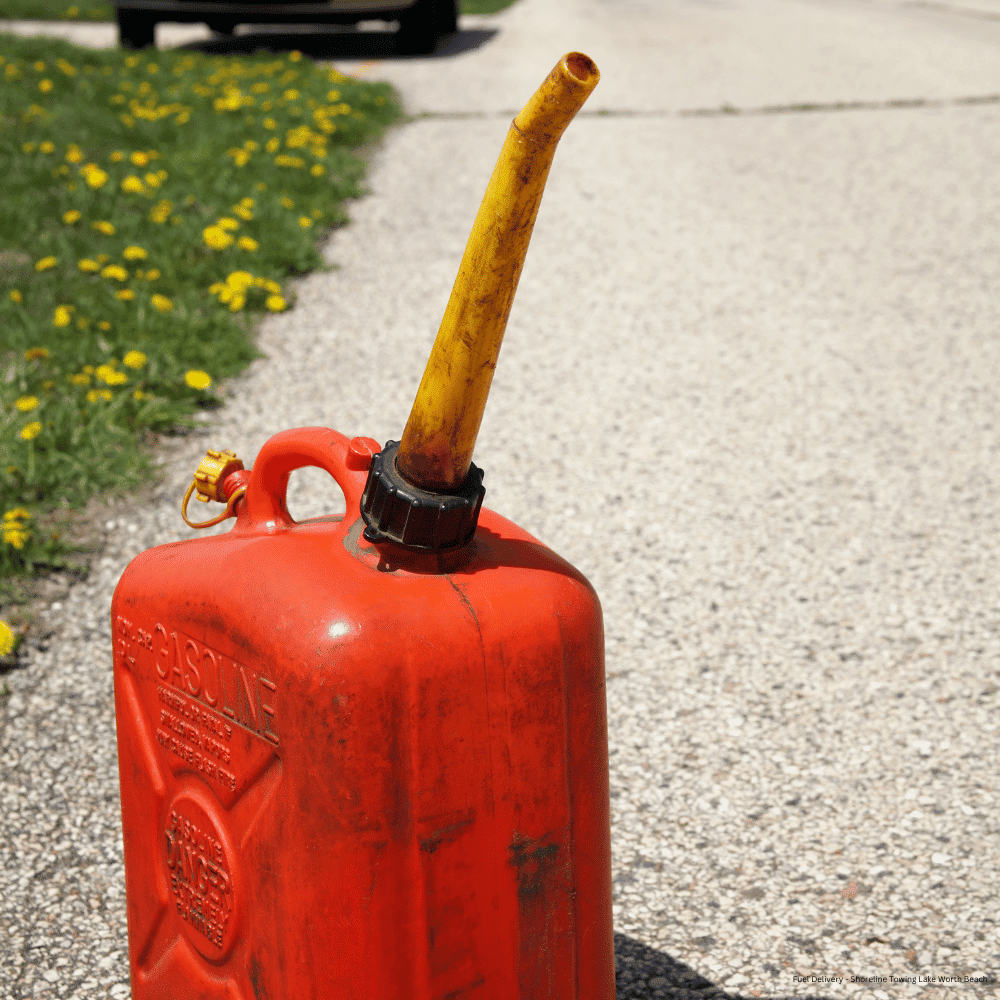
[[421, 22]]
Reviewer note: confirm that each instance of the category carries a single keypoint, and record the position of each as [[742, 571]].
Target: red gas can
[[366, 757]]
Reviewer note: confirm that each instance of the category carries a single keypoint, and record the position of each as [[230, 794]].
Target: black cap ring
[[394, 510]]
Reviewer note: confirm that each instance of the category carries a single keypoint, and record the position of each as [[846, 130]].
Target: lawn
[[154, 205]]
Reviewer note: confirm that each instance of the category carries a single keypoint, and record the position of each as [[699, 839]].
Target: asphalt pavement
[[749, 387]]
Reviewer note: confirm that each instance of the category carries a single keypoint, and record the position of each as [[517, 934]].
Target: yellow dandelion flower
[[153, 180], [152, 274], [198, 380], [287, 202], [139, 395], [15, 295], [162, 303], [270, 123], [73, 153], [125, 294], [228, 224], [36, 352], [104, 227], [61, 316], [94, 176], [71, 216], [115, 271], [291, 95], [104, 325], [7, 638], [32, 430], [26, 403], [134, 359], [134, 253], [28, 147], [45, 263], [82, 379], [140, 159], [95, 394], [161, 212], [244, 213], [17, 514], [273, 145], [239, 281], [44, 86], [109, 375], [295, 56], [88, 265], [316, 170], [305, 222], [46, 147], [275, 303], [216, 237], [132, 185], [117, 156], [14, 536], [247, 243], [237, 301]]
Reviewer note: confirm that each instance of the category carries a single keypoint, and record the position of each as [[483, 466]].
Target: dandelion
[[162, 303], [316, 170], [305, 222], [139, 158], [132, 185], [117, 156], [27, 147], [115, 271], [88, 265], [46, 147], [126, 294], [139, 395], [134, 253], [273, 145], [161, 212], [287, 202], [81, 379], [198, 380], [247, 243], [36, 352], [71, 216], [61, 316], [270, 123], [244, 213], [104, 227], [275, 303], [109, 375], [95, 394], [216, 237], [134, 359], [291, 95], [44, 86], [228, 224], [93, 175], [7, 636], [104, 325], [32, 430], [73, 153], [153, 180], [26, 403], [152, 274], [45, 263], [15, 295]]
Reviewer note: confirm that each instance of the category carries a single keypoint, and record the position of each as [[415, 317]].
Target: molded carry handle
[[346, 460]]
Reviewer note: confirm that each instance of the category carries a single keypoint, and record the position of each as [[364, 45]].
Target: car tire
[[226, 28], [421, 25], [136, 29]]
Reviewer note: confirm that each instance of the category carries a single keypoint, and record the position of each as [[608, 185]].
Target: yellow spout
[[436, 449]]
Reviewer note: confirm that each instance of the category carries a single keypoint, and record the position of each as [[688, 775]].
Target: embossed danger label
[[200, 869]]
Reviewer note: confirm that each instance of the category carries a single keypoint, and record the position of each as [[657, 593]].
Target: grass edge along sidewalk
[[154, 204]]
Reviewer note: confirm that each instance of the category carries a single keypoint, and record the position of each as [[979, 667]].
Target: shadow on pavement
[[642, 972], [325, 42]]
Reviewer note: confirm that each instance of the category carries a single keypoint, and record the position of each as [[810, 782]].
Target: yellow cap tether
[[437, 444]]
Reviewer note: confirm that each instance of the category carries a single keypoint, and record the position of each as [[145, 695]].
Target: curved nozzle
[[436, 449]]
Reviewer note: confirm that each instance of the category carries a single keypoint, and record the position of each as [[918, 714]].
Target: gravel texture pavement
[[749, 387]]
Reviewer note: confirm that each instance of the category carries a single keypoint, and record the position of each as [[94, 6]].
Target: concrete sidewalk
[[750, 388]]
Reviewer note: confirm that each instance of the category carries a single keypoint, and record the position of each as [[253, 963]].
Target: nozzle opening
[[581, 66]]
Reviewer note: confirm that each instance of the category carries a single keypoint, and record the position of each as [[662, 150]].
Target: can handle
[[347, 460]]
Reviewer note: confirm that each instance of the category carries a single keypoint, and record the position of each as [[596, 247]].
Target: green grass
[[92, 10], [154, 203]]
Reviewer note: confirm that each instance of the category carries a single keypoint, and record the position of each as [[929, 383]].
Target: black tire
[[227, 28], [421, 25], [136, 29]]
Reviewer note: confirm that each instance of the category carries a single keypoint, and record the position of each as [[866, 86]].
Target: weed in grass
[[153, 204]]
